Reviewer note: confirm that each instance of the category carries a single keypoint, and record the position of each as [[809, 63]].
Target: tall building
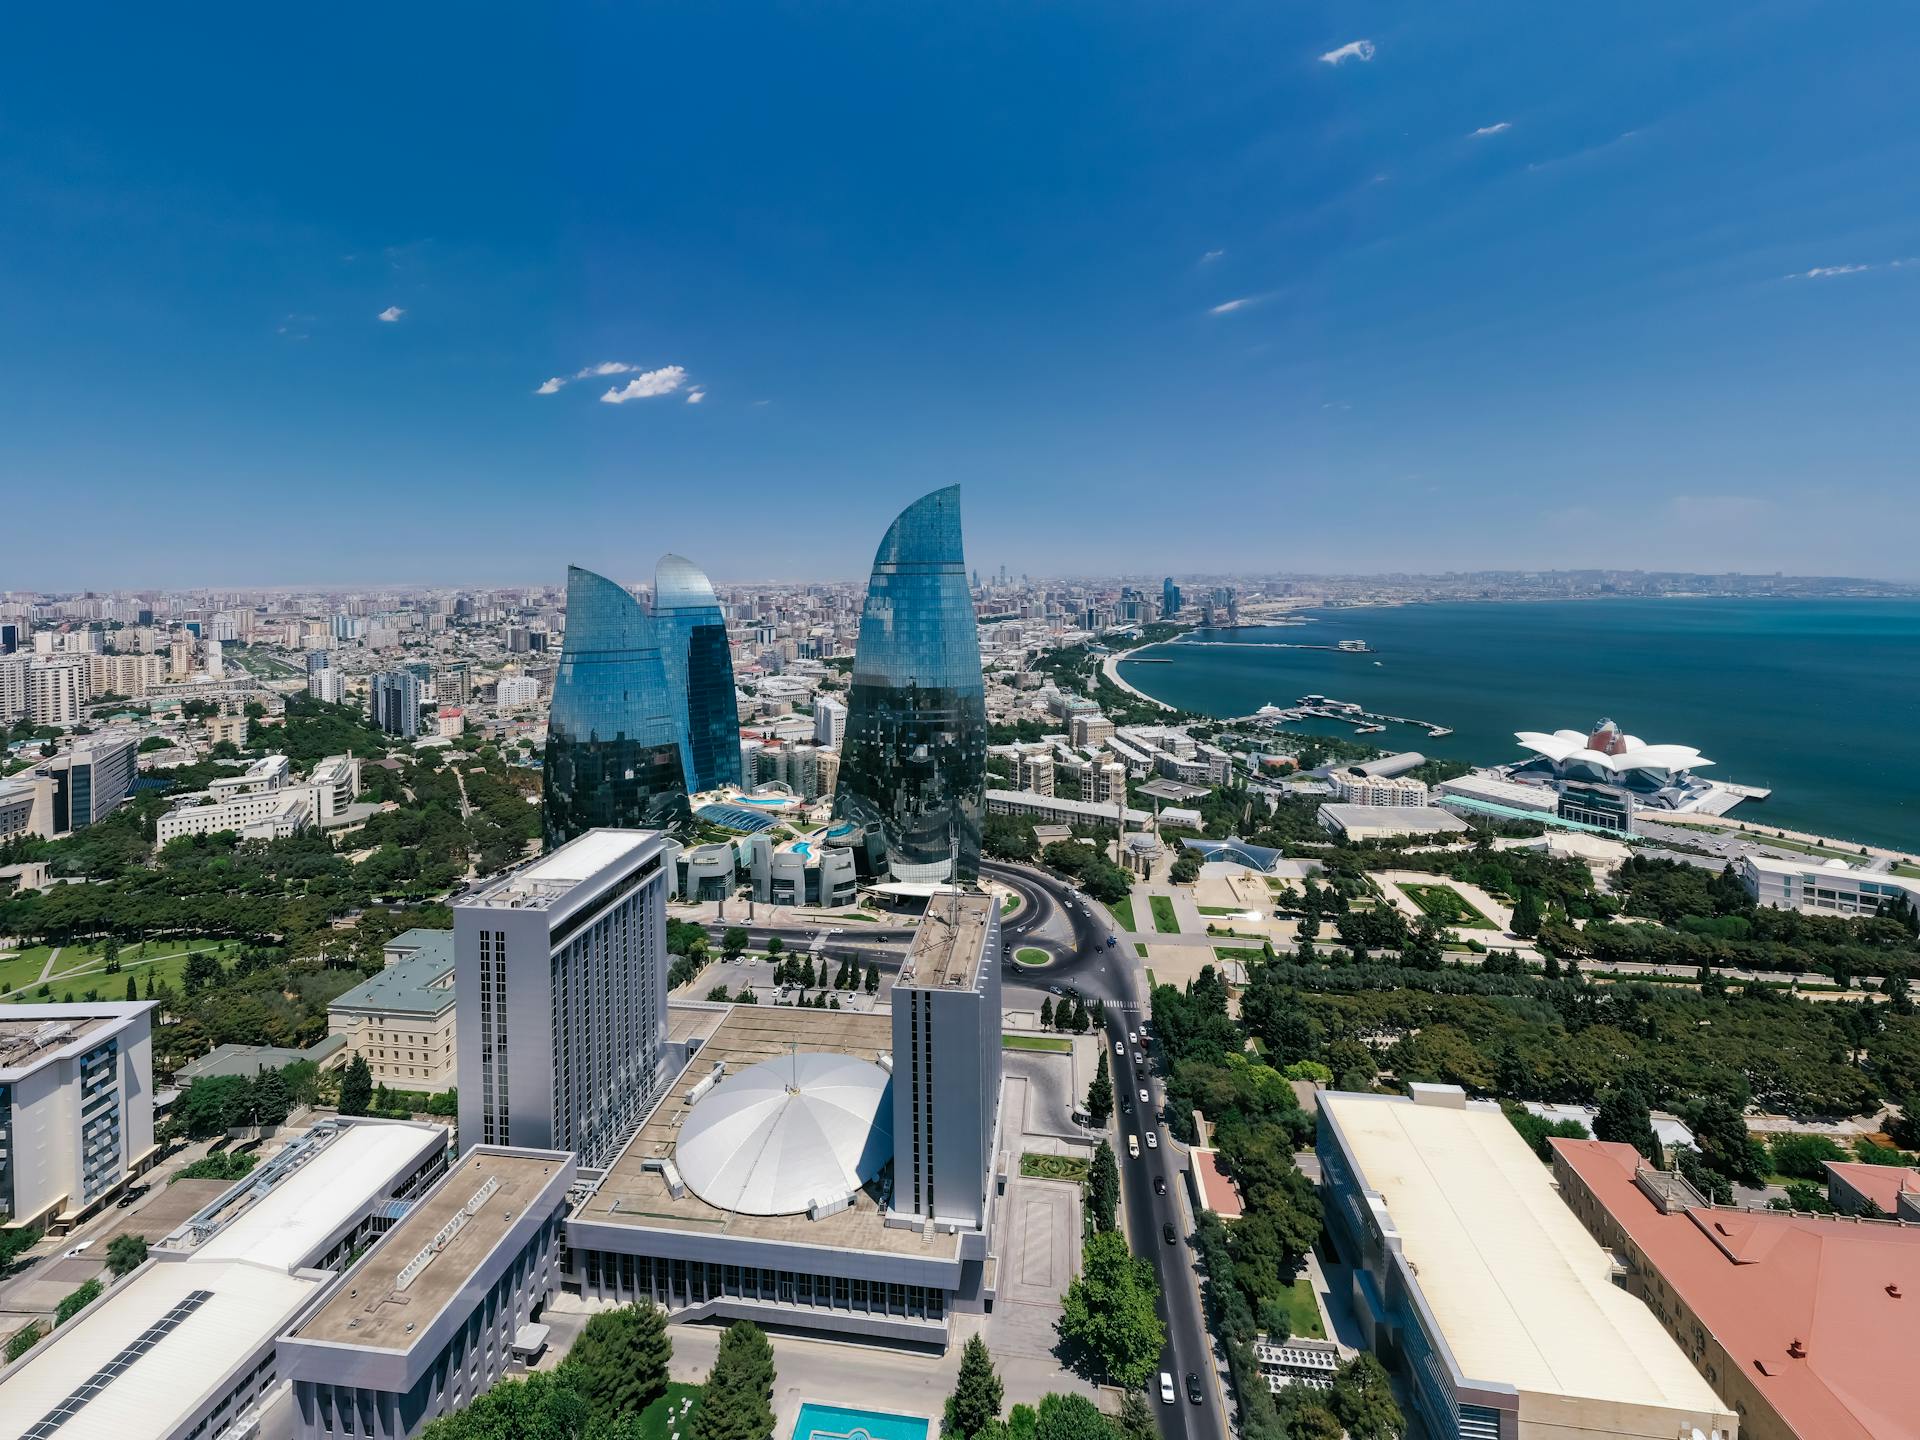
[[643, 710], [829, 721], [516, 692], [48, 690], [326, 684], [393, 701], [561, 979], [913, 764], [91, 780], [946, 1062], [1169, 599]]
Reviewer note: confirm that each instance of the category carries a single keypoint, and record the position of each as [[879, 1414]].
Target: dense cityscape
[[553, 1011]]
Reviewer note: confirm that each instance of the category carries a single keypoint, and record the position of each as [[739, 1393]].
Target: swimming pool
[[830, 1422], [802, 849]]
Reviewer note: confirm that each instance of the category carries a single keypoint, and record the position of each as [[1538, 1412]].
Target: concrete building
[[1389, 822], [829, 722], [76, 1107], [1829, 887], [326, 684], [800, 872], [333, 785], [1889, 1192], [1034, 773], [26, 807], [229, 730], [1473, 1281], [92, 778], [251, 815], [562, 986], [1089, 729], [1538, 799], [1799, 1321], [129, 675], [516, 692], [46, 689], [393, 702], [1054, 809], [1355, 786], [269, 772], [433, 1314], [402, 1021]]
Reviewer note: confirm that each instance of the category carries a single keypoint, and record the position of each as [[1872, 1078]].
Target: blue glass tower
[[643, 709], [913, 764]]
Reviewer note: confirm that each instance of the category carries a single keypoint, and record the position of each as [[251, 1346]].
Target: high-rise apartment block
[[562, 996], [946, 1062], [46, 689], [393, 702], [516, 692], [326, 684], [829, 722]]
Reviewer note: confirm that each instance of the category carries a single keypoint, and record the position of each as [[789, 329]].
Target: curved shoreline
[[1110, 667]]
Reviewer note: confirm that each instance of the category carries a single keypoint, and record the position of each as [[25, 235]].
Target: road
[[1110, 976]]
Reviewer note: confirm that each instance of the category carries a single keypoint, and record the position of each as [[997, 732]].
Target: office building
[[248, 815], [1799, 1321], [946, 1028], [1474, 1281], [269, 772], [26, 807], [1824, 887], [1089, 729], [643, 711], [402, 1021], [327, 685], [92, 778], [1169, 599], [318, 660], [800, 872], [439, 1307], [184, 1347], [334, 784], [9, 637], [914, 761], [829, 722], [1060, 810], [1355, 823], [393, 702], [516, 692], [76, 1107], [1355, 786], [562, 990]]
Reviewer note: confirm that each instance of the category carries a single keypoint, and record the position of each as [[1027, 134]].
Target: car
[[1159, 1184], [1193, 1387], [1166, 1232], [1118, 1048], [1145, 1098], [79, 1249], [132, 1195], [1138, 1058], [1109, 942], [1166, 1388], [1153, 1140], [1134, 1036], [1133, 1150], [1126, 1106], [1053, 989]]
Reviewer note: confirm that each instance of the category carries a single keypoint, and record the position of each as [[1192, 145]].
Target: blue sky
[[1224, 287]]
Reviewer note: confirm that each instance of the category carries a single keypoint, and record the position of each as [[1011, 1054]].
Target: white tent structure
[[1611, 756], [791, 1134]]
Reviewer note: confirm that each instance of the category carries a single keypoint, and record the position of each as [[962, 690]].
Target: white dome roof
[[788, 1134]]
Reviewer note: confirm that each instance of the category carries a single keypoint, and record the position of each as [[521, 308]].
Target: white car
[[1118, 1048], [1167, 1397], [1134, 1036], [1145, 1098], [79, 1249], [1153, 1140]]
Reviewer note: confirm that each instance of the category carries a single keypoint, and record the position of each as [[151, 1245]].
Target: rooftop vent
[[1797, 1350]]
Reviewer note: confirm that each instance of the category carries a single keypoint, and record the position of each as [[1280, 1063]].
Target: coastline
[[1110, 667]]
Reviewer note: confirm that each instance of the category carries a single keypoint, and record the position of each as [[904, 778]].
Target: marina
[[1350, 712]]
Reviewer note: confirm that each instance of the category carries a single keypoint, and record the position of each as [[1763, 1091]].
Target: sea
[[1818, 700]]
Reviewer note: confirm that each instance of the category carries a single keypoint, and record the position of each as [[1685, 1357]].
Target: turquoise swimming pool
[[830, 1422]]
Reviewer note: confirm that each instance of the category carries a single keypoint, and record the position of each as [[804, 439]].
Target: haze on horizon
[[1376, 287]]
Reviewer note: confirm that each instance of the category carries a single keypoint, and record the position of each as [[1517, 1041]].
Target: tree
[[213, 1105], [1526, 915], [540, 1407], [110, 954], [1362, 1400], [1071, 1417], [1100, 1094], [1624, 1118], [133, 988], [271, 1099], [125, 1253], [733, 943], [977, 1393], [736, 1403], [774, 946], [76, 1301], [873, 978], [619, 1363], [1103, 1187], [1046, 1013], [1720, 1132], [356, 1086], [1109, 1309], [1135, 1421]]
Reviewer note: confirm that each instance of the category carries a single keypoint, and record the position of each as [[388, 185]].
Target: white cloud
[[1227, 307], [391, 314], [605, 367], [1353, 50], [647, 385], [550, 387], [696, 395], [1486, 130], [1211, 256], [1823, 272]]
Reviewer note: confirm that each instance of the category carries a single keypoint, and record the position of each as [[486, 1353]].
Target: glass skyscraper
[[643, 705], [913, 763]]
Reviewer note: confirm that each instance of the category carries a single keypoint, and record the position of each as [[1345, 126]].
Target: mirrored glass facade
[[643, 708], [913, 764]]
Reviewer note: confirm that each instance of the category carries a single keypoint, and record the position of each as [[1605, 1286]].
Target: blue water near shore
[[1817, 699]]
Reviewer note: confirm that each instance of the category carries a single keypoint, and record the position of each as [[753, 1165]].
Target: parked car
[[1166, 1388]]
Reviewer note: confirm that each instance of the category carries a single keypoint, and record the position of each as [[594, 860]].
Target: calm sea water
[[1818, 699]]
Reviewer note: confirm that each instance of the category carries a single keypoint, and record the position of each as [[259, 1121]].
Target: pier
[[1364, 721]]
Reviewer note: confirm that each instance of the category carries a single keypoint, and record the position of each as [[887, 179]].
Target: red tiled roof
[[1846, 1292], [1216, 1187], [1881, 1184]]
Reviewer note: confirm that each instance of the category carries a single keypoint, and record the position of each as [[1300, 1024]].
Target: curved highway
[[1113, 976]]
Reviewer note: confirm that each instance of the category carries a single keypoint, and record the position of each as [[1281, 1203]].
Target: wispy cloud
[[1828, 272], [550, 387], [1361, 50], [1239, 302], [1211, 256], [391, 314], [1496, 129], [696, 395], [605, 367], [647, 385]]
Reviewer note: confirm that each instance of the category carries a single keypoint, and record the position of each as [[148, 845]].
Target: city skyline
[[1543, 294]]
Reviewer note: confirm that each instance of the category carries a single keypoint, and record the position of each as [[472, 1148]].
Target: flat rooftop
[[206, 1317], [1521, 1292], [31, 1035], [554, 876], [631, 1194], [1416, 819], [1762, 1280], [947, 944], [371, 1309]]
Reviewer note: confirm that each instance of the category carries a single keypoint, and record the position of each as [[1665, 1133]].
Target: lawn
[[1053, 1044], [1123, 912], [1053, 1167], [1010, 904], [1448, 906], [1140, 949], [1164, 920], [1912, 872], [80, 968], [660, 1419], [1240, 953], [1305, 1314], [1028, 955], [1823, 852], [1221, 910]]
